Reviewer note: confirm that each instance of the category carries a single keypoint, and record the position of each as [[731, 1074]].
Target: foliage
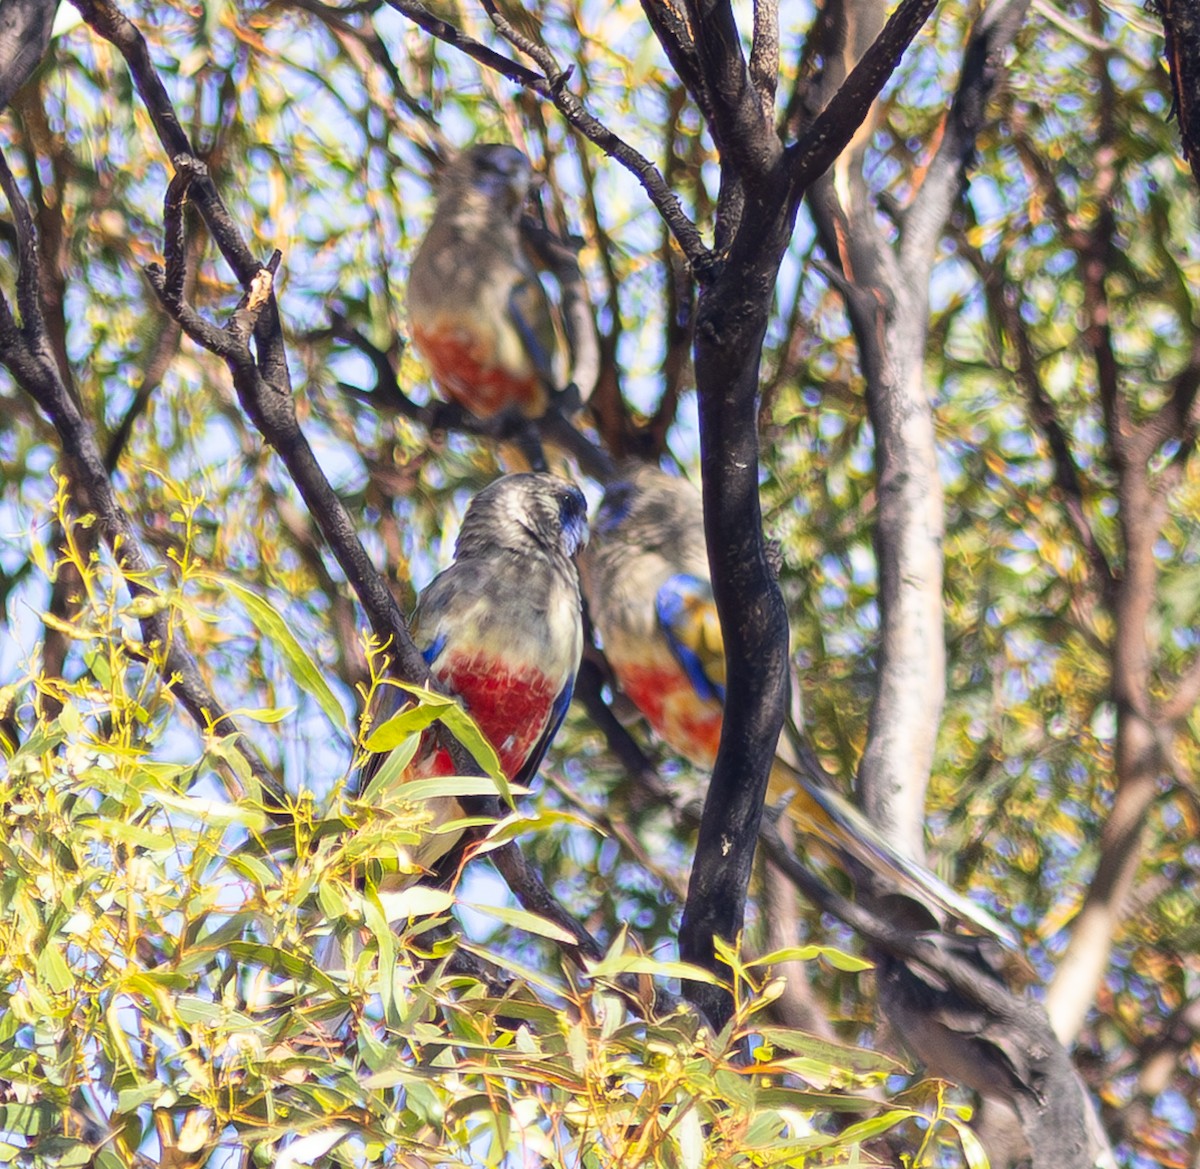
[[164, 965], [159, 937]]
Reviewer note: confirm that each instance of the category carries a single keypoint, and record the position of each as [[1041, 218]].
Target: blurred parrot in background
[[481, 319], [646, 581], [479, 314], [501, 629]]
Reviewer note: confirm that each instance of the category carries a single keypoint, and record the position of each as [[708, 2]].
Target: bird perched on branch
[[479, 314], [649, 594], [501, 628]]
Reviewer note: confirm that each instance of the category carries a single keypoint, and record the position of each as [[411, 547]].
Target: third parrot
[[646, 581]]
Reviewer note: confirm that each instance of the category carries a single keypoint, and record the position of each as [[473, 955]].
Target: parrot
[[501, 628], [478, 312], [646, 583], [482, 320]]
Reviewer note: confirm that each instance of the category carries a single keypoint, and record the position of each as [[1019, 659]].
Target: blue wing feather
[[434, 648], [558, 712], [543, 360], [671, 603]]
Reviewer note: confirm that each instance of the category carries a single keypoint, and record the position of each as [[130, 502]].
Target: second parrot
[[646, 581]]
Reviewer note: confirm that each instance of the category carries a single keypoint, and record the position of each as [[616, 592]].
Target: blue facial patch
[[614, 507], [572, 516], [500, 169]]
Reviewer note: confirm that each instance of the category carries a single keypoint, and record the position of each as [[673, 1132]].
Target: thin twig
[[26, 353], [573, 110]]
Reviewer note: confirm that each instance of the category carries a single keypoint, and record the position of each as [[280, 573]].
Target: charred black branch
[[761, 186], [107, 20], [834, 126], [731, 323], [25, 27], [1181, 31]]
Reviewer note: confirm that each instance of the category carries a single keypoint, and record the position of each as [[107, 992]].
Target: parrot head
[[520, 511], [650, 509], [491, 172]]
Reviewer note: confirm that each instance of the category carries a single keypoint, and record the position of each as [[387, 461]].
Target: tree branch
[[1181, 29], [982, 71], [273, 413], [552, 87], [672, 25], [755, 217], [443, 30], [764, 56], [1005, 309], [1185, 695], [1142, 509], [827, 135], [112, 24], [887, 297], [26, 353], [742, 129]]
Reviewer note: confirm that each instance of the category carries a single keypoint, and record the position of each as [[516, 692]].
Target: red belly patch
[[685, 721], [512, 708], [466, 373]]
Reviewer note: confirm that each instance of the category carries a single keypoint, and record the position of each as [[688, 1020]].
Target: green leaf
[[392, 732], [333, 905], [377, 922], [415, 901], [973, 1151], [825, 1051], [614, 965], [265, 715], [450, 785], [213, 812], [301, 668], [307, 1149], [524, 920], [689, 1132], [510, 965], [282, 962], [131, 1099], [390, 773], [52, 969], [192, 1009], [512, 827], [865, 1130], [28, 1120], [836, 958], [459, 724]]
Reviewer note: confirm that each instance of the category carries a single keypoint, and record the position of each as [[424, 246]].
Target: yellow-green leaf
[[301, 668]]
